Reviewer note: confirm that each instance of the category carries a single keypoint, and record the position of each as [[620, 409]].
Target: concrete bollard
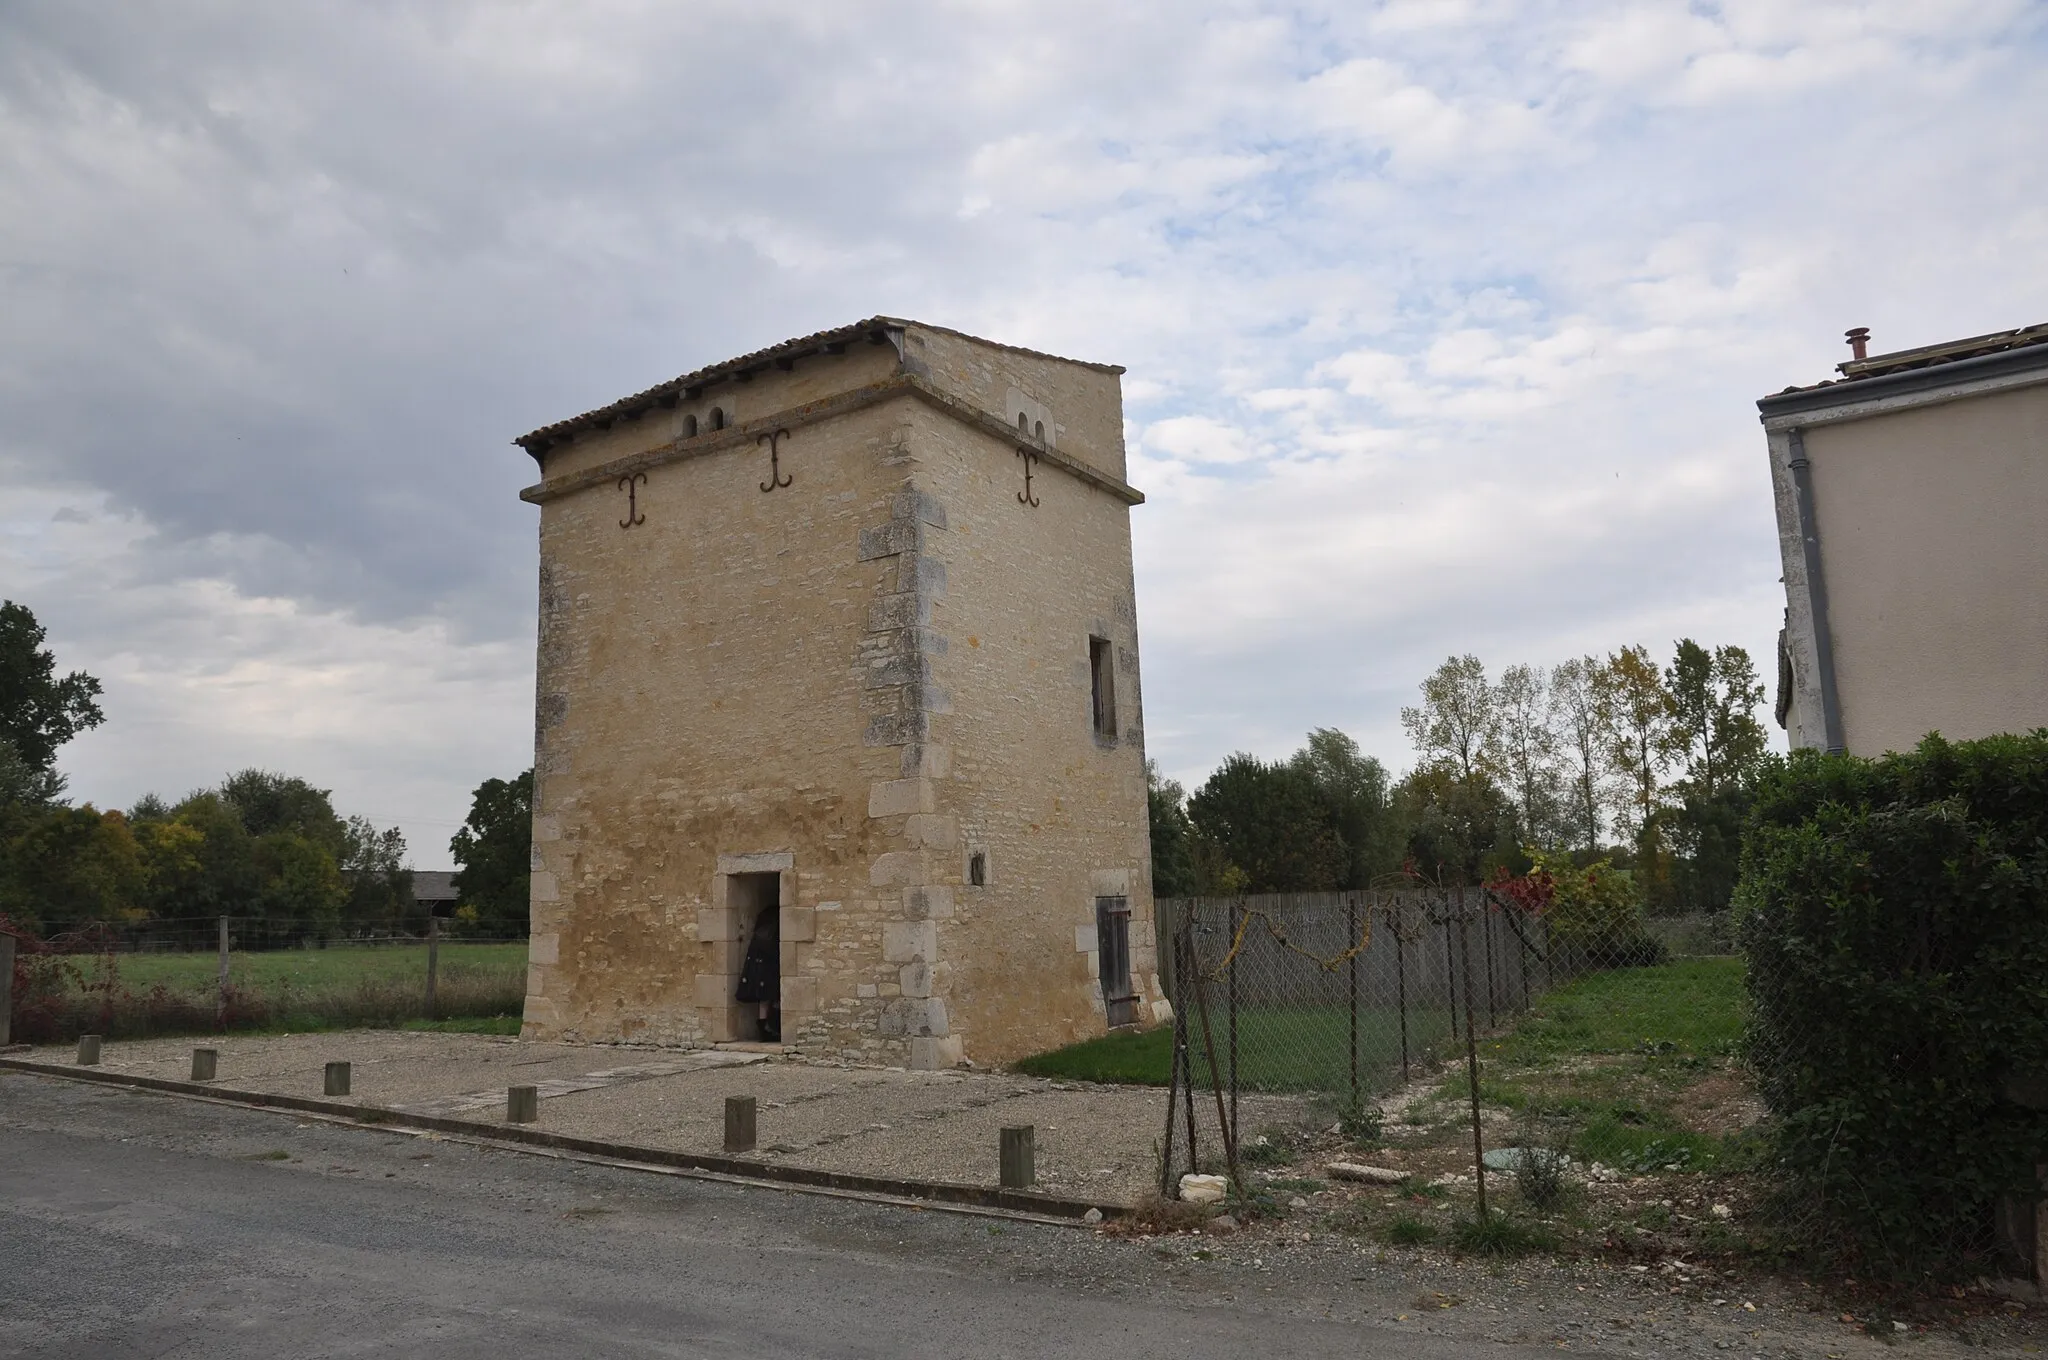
[[522, 1104], [739, 1123], [337, 1079], [205, 1062], [1019, 1161], [88, 1050]]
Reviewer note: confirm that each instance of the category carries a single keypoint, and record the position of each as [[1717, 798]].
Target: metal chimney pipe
[[1859, 343]]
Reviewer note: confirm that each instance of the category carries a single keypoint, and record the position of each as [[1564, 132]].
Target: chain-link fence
[[1347, 996]]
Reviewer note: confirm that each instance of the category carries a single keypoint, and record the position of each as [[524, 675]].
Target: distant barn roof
[[433, 885], [875, 329]]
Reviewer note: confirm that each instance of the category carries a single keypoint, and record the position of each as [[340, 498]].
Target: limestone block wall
[[1081, 405], [698, 697], [842, 685], [1058, 813]]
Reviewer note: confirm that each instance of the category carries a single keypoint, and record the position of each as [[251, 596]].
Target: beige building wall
[[853, 681], [1935, 565]]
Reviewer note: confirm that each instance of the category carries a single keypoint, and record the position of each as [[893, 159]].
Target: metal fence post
[[1486, 936], [1401, 986], [1351, 942], [1187, 967], [1236, 925]]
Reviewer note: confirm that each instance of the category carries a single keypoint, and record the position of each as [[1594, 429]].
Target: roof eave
[[1979, 368]]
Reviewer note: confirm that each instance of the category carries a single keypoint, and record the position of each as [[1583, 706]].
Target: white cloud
[[1443, 319]]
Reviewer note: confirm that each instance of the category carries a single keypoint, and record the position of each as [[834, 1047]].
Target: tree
[[64, 867], [494, 850], [1527, 751], [1578, 711], [302, 885], [39, 711], [1638, 713], [1459, 826], [1456, 721], [1713, 698], [1354, 789], [1716, 735], [373, 865], [1173, 835], [267, 801], [1272, 822]]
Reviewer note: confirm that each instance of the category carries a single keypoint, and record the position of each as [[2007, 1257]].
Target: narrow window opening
[[1023, 421], [977, 870], [1113, 959], [1102, 674], [717, 418], [1038, 429], [690, 427]]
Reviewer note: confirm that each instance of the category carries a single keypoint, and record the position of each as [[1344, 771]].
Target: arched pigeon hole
[[1023, 421], [717, 417], [1038, 429], [689, 427]]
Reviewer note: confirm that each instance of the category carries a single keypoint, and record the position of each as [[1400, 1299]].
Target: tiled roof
[[665, 394], [433, 885], [1929, 356]]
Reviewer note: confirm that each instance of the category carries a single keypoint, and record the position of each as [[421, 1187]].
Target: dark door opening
[[756, 903], [1113, 959]]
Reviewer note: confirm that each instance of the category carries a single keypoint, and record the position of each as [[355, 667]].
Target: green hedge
[[1895, 915]]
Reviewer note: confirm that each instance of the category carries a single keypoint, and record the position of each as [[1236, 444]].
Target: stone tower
[[843, 631]]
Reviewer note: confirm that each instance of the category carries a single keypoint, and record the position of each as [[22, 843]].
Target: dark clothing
[[761, 973]]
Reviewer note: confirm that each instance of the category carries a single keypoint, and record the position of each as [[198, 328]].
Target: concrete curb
[[883, 1189]]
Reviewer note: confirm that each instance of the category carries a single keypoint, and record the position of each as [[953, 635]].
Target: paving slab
[[1093, 1140]]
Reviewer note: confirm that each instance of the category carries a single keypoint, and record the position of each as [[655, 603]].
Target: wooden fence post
[[433, 963], [6, 990], [336, 1083], [88, 1050], [205, 1063], [220, 1010], [522, 1104]]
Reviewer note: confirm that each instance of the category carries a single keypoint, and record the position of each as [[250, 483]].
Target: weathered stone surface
[[838, 686]]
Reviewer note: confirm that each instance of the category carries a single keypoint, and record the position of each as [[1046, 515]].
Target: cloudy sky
[[1444, 318]]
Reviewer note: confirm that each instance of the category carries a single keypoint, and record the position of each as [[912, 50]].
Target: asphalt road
[[140, 1225]]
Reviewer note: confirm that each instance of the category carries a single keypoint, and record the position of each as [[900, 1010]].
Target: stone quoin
[[843, 631]]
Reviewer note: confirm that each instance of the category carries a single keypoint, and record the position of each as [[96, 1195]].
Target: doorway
[[755, 903]]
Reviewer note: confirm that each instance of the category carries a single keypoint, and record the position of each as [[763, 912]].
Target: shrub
[[1895, 915], [1405, 1230], [1361, 1120], [1496, 1234]]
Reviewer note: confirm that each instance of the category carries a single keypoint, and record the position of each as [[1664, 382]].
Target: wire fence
[[1347, 996], [134, 979]]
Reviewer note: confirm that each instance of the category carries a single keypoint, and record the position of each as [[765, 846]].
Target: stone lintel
[[762, 862]]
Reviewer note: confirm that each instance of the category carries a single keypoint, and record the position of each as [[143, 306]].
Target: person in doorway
[[761, 973]]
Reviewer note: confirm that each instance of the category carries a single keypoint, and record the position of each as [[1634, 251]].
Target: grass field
[[1623, 1056], [1691, 1007], [316, 969], [479, 988], [1278, 1050]]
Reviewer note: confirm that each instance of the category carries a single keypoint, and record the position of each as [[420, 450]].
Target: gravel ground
[[1091, 1141], [452, 1241]]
